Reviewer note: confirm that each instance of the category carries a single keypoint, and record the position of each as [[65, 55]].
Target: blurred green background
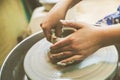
[[14, 19]]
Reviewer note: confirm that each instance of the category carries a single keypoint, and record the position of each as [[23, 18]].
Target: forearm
[[63, 5], [111, 35]]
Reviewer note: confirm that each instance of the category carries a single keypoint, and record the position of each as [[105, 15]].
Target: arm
[[56, 13], [84, 42], [64, 5], [111, 35]]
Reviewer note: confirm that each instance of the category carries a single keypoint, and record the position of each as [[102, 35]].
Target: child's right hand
[[52, 21]]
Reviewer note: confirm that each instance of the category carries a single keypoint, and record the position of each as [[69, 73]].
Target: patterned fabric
[[111, 19]]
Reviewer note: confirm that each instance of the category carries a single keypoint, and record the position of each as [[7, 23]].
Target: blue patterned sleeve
[[111, 19]]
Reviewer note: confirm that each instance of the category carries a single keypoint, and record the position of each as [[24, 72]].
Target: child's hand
[[52, 21], [79, 45]]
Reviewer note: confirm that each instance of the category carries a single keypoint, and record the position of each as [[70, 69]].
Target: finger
[[71, 60], [73, 24], [58, 30], [47, 32], [61, 43], [60, 56], [62, 49]]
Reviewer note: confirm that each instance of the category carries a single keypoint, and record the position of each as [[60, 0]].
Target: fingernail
[[52, 57], [71, 62], [62, 21], [61, 63]]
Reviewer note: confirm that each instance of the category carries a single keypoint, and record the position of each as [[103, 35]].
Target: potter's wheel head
[[100, 65]]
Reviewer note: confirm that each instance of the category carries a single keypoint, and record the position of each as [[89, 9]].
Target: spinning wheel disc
[[99, 66]]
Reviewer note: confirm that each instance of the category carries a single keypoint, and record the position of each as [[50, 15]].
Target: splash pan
[[12, 68]]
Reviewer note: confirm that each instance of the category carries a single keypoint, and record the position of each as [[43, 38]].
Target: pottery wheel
[[99, 66]]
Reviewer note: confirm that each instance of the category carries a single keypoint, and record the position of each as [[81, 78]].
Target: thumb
[[73, 24]]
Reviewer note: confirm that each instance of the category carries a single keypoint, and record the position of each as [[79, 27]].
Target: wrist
[[104, 39], [110, 35]]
